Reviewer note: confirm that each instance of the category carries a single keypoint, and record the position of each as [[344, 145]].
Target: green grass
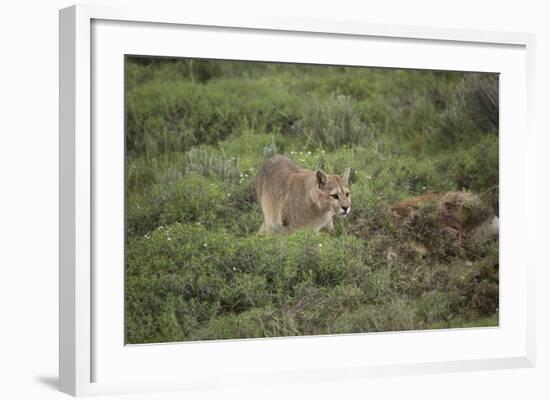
[[198, 132]]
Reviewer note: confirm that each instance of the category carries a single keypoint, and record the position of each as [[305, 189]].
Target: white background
[[29, 196]]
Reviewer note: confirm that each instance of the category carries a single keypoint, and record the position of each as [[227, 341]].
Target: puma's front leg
[[328, 227]]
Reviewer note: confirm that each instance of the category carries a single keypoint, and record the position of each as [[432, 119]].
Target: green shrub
[[207, 163], [186, 282], [395, 316], [250, 146], [477, 167], [332, 123], [196, 199], [482, 100], [471, 111], [183, 264], [435, 306], [173, 116], [193, 199]]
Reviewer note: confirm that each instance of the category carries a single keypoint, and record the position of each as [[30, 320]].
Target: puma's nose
[[345, 208]]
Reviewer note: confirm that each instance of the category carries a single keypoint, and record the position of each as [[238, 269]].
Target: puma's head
[[333, 192]]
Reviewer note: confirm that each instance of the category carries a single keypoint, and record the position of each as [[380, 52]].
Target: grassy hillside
[[197, 133]]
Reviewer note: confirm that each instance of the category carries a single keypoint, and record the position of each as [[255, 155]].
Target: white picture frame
[[93, 358]]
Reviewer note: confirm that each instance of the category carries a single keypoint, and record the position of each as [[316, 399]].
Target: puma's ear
[[346, 175], [321, 178]]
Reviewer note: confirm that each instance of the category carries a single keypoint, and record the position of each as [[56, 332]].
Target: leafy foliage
[[332, 124]]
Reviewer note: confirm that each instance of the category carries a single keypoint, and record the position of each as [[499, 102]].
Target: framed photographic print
[[274, 200]]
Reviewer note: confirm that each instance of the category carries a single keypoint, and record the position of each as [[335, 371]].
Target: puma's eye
[[347, 194], [335, 196]]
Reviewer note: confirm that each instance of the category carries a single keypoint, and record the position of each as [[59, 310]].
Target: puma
[[293, 198]]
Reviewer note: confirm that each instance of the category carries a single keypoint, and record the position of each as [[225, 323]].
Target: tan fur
[[450, 206], [292, 197]]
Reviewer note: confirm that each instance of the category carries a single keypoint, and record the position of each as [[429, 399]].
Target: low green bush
[[470, 111], [478, 170], [397, 315], [197, 199], [482, 102], [208, 163], [223, 274], [187, 282], [332, 123], [173, 116]]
